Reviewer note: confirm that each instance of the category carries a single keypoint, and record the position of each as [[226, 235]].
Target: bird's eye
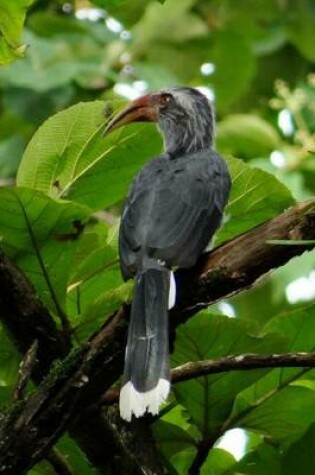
[[165, 99]]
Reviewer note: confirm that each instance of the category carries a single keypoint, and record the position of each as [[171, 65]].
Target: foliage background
[[256, 59]]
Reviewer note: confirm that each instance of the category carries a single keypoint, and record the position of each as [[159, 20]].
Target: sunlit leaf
[[82, 165], [218, 462], [256, 196], [12, 17], [246, 136]]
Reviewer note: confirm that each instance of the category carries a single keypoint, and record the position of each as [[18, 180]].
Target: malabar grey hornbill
[[174, 206]]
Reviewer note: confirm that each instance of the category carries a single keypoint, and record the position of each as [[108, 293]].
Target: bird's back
[[173, 209]]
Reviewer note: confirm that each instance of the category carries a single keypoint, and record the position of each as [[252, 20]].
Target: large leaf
[[218, 462], [95, 287], [12, 17], [67, 157], [235, 67], [172, 21], [124, 10], [281, 404], [246, 136], [40, 235], [285, 415], [256, 461], [300, 457], [51, 64], [300, 27], [74, 457], [209, 400], [256, 196]]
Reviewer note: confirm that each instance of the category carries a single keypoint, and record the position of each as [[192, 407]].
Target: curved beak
[[143, 109]]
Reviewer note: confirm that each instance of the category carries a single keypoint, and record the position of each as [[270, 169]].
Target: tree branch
[[237, 264], [27, 433], [27, 321], [59, 463], [245, 362]]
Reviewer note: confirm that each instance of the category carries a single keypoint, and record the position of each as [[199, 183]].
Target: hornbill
[[174, 206]]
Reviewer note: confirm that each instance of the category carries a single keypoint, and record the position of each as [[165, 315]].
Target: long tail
[[146, 380]]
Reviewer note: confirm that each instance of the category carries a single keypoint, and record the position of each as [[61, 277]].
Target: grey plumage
[[174, 207]]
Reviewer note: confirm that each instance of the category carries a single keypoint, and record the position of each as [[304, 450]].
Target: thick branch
[[30, 431], [237, 264], [27, 321]]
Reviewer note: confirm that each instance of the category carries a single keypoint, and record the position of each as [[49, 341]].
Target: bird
[[174, 206]]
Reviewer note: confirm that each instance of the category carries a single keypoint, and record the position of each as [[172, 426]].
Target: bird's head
[[184, 116]]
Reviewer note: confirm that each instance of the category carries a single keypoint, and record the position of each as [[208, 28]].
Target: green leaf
[[172, 21], [246, 136], [281, 403], [235, 67], [256, 461], [300, 27], [125, 11], [300, 457], [50, 64], [82, 165], [172, 439], [95, 287], [48, 24], [42, 468], [9, 364], [218, 462], [12, 148], [209, 400], [40, 235], [285, 415], [9, 53], [74, 457], [256, 196], [12, 17]]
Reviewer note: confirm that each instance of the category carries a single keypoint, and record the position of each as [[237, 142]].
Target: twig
[[59, 463], [203, 450], [26, 370], [245, 362]]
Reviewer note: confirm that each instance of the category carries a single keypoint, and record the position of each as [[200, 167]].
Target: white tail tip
[[172, 292], [134, 402]]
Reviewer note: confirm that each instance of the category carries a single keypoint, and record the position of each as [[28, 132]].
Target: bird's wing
[[174, 208]]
